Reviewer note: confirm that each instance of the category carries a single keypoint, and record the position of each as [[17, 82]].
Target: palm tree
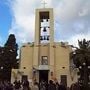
[[81, 59]]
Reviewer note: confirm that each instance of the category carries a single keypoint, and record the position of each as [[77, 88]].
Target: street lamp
[[84, 64], [1, 72], [1, 67]]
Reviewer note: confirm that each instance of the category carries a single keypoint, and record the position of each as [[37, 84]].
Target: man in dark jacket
[[62, 87], [51, 85]]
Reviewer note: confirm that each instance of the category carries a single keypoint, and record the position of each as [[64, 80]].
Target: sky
[[71, 20]]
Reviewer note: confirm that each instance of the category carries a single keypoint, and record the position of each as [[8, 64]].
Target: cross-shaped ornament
[[44, 3]]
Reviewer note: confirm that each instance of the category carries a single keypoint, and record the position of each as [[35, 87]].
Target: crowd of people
[[24, 85], [54, 86], [16, 85]]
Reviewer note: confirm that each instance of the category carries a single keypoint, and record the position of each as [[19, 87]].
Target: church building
[[45, 59]]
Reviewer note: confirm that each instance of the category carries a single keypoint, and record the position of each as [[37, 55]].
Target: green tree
[[10, 51], [81, 59], [8, 55]]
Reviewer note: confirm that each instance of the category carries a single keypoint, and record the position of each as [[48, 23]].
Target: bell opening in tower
[[44, 27]]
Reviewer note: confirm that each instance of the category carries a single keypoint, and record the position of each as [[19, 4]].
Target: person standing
[[51, 85], [62, 87], [35, 86], [25, 85]]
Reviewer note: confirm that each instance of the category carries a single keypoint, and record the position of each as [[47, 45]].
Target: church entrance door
[[43, 75]]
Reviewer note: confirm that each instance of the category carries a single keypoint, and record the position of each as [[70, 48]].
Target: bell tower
[[44, 33], [44, 26]]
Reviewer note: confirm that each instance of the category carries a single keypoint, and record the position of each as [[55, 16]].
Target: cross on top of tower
[[44, 3]]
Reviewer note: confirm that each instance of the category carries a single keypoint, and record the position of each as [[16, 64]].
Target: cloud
[[23, 19], [77, 37], [72, 18], [0, 41]]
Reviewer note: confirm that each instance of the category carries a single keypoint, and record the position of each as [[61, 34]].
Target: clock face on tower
[[44, 60]]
